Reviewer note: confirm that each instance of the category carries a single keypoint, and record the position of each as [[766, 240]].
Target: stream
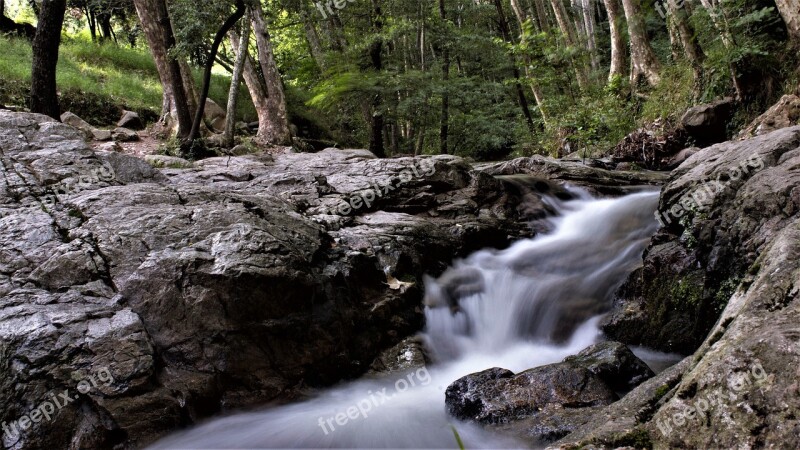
[[542, 301]]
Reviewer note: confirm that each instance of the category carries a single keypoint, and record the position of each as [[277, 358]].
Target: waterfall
[[532, 304]]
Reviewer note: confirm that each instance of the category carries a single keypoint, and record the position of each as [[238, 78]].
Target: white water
[[541, 303]]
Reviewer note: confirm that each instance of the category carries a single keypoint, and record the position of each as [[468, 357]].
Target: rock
[[101, 135], [682, 156], [124, 135], [707, 123], [719, 211], [785, 113], [408, 354], [240, 150], [168, 162], [214, 115], [598, 181], [130, 120], [544, 404], [614, 363], [110, 147], [76, 122], [219, 286], [499, 396]]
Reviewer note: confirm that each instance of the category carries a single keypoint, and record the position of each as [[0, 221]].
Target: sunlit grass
[[125, 76]]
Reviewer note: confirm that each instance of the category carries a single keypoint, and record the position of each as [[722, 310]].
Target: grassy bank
[[95, 80]]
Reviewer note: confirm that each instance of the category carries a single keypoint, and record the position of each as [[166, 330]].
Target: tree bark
[[444, 122], [506, 33], [312, 37], [157, 29], [616, 22], [569, 32], [376, 119], [590, 25], [277, 130], [236, 79], [201, 102], [643, 59], [790, 11], [44, 95], [688, 39], [255, 86]]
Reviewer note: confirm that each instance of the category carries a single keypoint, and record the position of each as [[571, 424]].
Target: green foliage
[[673, 96]]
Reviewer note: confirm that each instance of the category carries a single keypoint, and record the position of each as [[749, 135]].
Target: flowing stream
[[542, 300]]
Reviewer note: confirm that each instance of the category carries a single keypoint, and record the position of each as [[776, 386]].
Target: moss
[[661, 391], [636, 438]]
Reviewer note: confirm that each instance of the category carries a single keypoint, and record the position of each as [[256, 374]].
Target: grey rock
[[130, 120], [614, 363], [214, 115], [76, 122], [408, 354], [101, 135], [707, 123], [168, 162], [124, 135], [785, 113]]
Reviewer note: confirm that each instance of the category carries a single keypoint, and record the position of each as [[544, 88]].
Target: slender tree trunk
[[201, 102], [541, 15], [255, 86], [568, 30], [236, 78], [376, 145], [643, 59], [312, 37], [790, 11], [616, 22], [688, 39], [277, 131], [445, 117], [717, 15], [506, 34], [44, 96], [590, 25]]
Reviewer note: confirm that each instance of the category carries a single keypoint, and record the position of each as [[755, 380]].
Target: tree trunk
[[643, 59], [44, 96], [375, 55], [277, 130], [688, 39], [201, 102], [445, 117], [506, 33], [568, 30], [790, 11], [158, 32], [616, 22], [236, 79], [255, 86], [590, 25], [312, 37], [541, 15]]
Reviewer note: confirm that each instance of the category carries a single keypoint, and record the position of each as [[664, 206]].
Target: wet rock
[[124, 135], [682, 156], [232, 283], [130, 120], [599, 181], [719, 211], [614, 363], [498, 395], [707, 123], [407, 355]]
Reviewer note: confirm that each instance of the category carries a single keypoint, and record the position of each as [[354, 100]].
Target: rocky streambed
[[155, 298]]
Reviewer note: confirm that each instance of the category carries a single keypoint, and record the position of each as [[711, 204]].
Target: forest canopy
[[485, 79]]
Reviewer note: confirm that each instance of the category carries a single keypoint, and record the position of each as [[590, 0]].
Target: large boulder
[[707, 123], [215, 116], [74, 121], [130, 120], [233, 282]]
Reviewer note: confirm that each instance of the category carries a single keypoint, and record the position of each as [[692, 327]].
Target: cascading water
[[540, 301]]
